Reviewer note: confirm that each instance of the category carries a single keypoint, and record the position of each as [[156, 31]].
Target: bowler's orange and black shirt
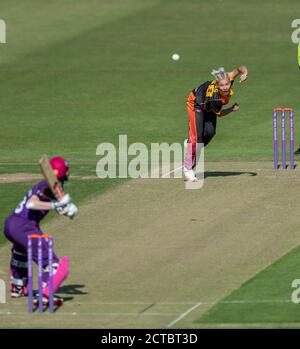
[[209, 98]]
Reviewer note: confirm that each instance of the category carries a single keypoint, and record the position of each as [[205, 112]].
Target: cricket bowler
[[204, 105], [25, 220]]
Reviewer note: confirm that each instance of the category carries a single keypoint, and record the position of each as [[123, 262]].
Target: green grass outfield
[[267, 298], [77, 73], [71, 82]]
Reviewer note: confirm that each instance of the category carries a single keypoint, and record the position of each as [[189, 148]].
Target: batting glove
[[64, 201], [62, 210], [72, 210]]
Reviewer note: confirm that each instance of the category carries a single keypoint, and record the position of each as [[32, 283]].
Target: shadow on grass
[[72, 289], [227, 174]]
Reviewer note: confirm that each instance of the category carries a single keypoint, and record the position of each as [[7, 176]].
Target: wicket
[[283, 137], [40, 272]]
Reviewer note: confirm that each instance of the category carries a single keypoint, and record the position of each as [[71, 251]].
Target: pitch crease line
[[183, 315]]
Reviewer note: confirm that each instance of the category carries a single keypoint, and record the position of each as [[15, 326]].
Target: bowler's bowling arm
[[242, 70]]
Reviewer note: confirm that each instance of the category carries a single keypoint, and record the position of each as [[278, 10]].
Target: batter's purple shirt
[[23, 222], [32, 215]]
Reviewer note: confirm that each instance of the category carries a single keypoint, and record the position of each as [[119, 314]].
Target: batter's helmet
[[60, 164]]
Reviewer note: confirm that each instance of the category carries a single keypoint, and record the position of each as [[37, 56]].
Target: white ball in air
[[175, 57]]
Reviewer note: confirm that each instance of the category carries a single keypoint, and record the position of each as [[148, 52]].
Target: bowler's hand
[[243, 77], [235, 107]]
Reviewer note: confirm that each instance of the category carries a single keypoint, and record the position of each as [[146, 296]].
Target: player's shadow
[[72, 290], [227, 174]]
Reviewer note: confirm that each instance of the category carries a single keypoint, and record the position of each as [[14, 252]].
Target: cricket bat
[[50, 177]]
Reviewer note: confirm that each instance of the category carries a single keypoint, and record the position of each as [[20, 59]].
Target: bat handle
[[59, 192]]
